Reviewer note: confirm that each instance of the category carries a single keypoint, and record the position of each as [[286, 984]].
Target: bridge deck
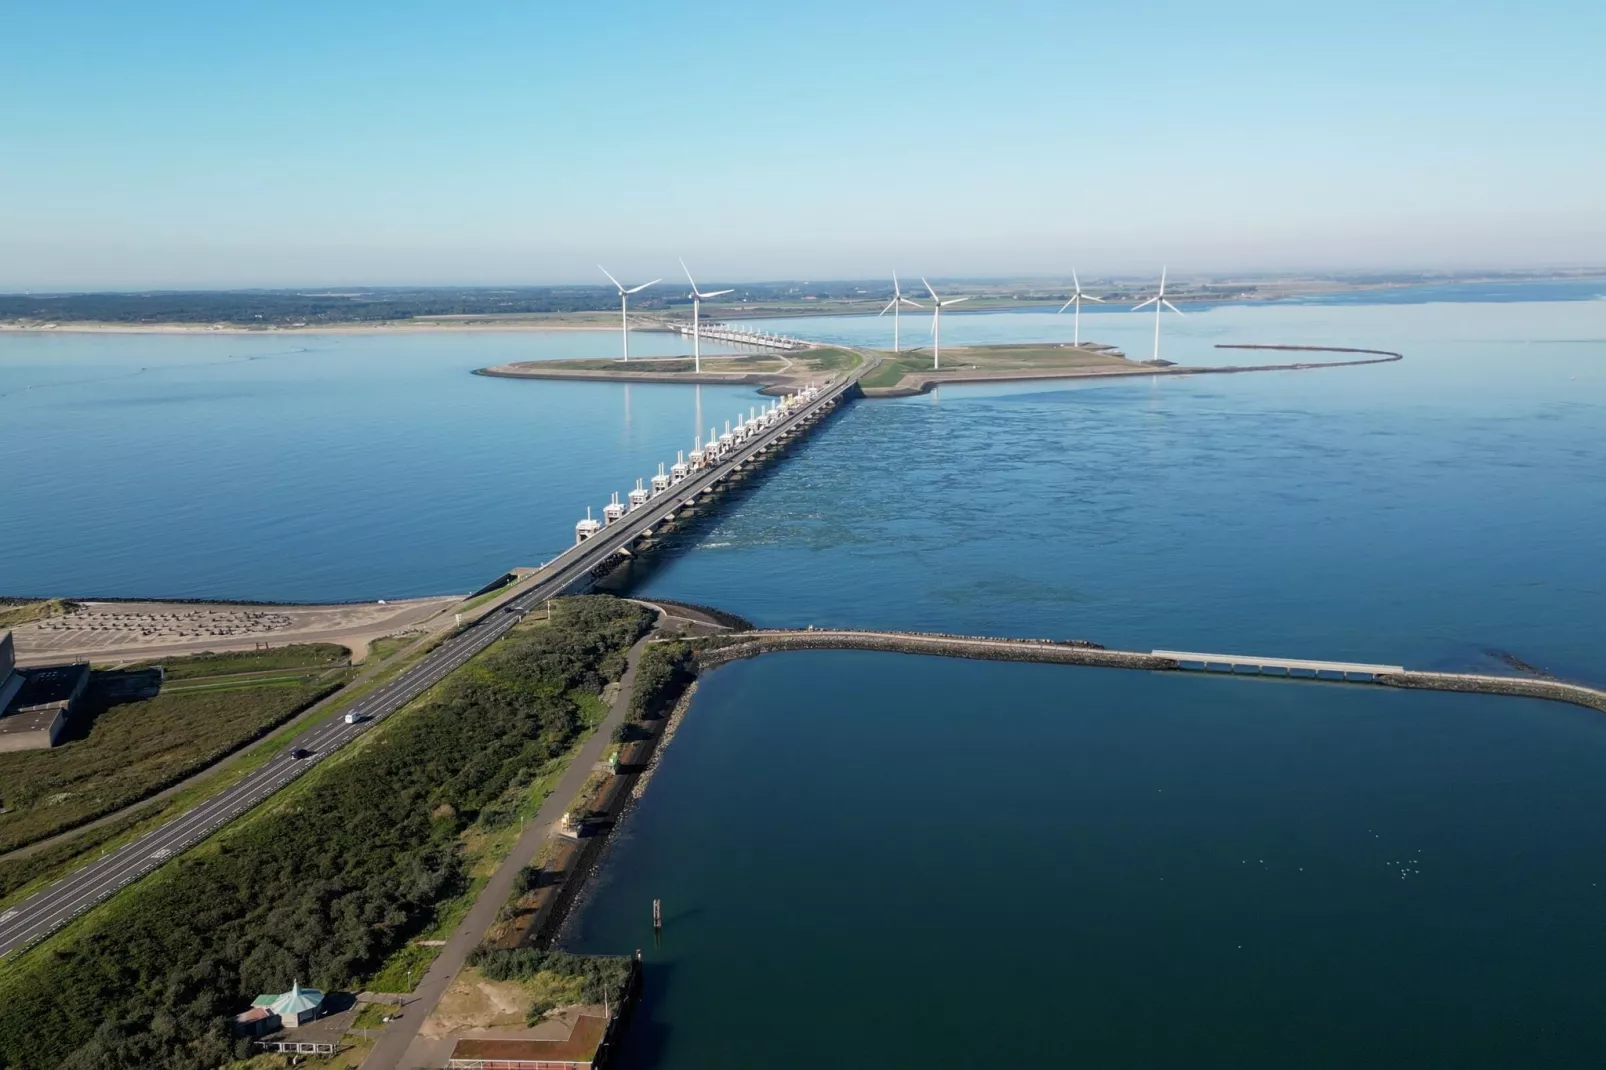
[[1261, 664]]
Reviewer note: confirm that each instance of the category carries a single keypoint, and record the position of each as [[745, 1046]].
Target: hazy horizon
[[179, 146], [1357, 276]]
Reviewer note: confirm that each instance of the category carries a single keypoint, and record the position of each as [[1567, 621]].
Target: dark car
[[300, 753]]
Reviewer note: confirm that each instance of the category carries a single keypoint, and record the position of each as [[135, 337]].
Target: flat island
[[910, 371], [778, 372]]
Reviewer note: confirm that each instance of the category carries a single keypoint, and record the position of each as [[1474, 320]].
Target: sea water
[[872, 858]]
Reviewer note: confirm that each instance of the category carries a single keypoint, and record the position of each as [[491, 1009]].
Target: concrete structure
[[1342, 670], [36, 704], [586, 528], [724, 332], [10, 682], [1077, 652]]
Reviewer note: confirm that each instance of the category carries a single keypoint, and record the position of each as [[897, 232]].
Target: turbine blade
[[687, 270], [643, 286], [890, 305], [896, 293], [1076, 280], [718, 293], [611, 279], [1069, 303], [1146, 304], [1095, 300], [929, 290], [1172, 307], [954, 301], [910, 303]]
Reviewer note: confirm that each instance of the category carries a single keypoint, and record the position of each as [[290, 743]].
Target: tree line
[[326, 881]]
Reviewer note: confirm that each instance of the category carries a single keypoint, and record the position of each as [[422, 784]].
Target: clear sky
[[219, 144]]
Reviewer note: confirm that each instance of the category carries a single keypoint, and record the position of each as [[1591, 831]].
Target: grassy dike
[[328, 881]]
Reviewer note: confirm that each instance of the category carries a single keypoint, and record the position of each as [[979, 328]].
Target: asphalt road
[[46, 911]]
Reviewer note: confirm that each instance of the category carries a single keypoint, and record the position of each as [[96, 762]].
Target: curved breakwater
[[1073, 652]]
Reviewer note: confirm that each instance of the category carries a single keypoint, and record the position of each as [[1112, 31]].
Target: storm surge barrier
[[1080, 652], [725, 332], [42, 913]]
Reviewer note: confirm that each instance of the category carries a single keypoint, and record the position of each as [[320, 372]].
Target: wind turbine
[[1076, 299], [1159, 302], [937, 305], [624, 301], [897, 301], [697, 297]]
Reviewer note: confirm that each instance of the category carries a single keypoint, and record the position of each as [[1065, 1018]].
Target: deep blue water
[[879, 860], [311, 467], [1418, 512], [950, 863]]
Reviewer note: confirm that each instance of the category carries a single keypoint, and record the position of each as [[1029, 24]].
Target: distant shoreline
[[387, 327]]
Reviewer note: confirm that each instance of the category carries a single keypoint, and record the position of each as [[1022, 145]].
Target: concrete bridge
[[725, 332], [752, 643], [1338, 670]]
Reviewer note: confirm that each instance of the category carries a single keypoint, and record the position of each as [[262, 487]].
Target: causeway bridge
[[42, 913], [1075, 652], [725, 332]]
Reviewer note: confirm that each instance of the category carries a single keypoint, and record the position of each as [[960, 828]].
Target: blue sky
[[172, 144]]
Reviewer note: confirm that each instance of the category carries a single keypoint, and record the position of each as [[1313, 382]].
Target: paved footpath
[[400, 1045]]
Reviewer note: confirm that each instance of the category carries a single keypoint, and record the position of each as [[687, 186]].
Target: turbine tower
[[1076, 299], [937, 305], [697, 297], [897, 301], [1160, 303], [624, 302]]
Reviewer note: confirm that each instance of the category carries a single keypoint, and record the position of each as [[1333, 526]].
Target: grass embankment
[[992, 361], [751, 362], [117, 753], [771, 367], [229, 663], [15, 614], [324, 883]]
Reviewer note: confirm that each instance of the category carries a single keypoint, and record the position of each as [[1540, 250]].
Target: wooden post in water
[[657, 916]]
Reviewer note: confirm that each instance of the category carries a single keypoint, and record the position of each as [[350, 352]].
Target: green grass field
[[115, 754], [804, 363], [989, 360], [296, 656]]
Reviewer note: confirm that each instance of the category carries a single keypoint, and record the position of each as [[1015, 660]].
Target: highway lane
[[45, 911]]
